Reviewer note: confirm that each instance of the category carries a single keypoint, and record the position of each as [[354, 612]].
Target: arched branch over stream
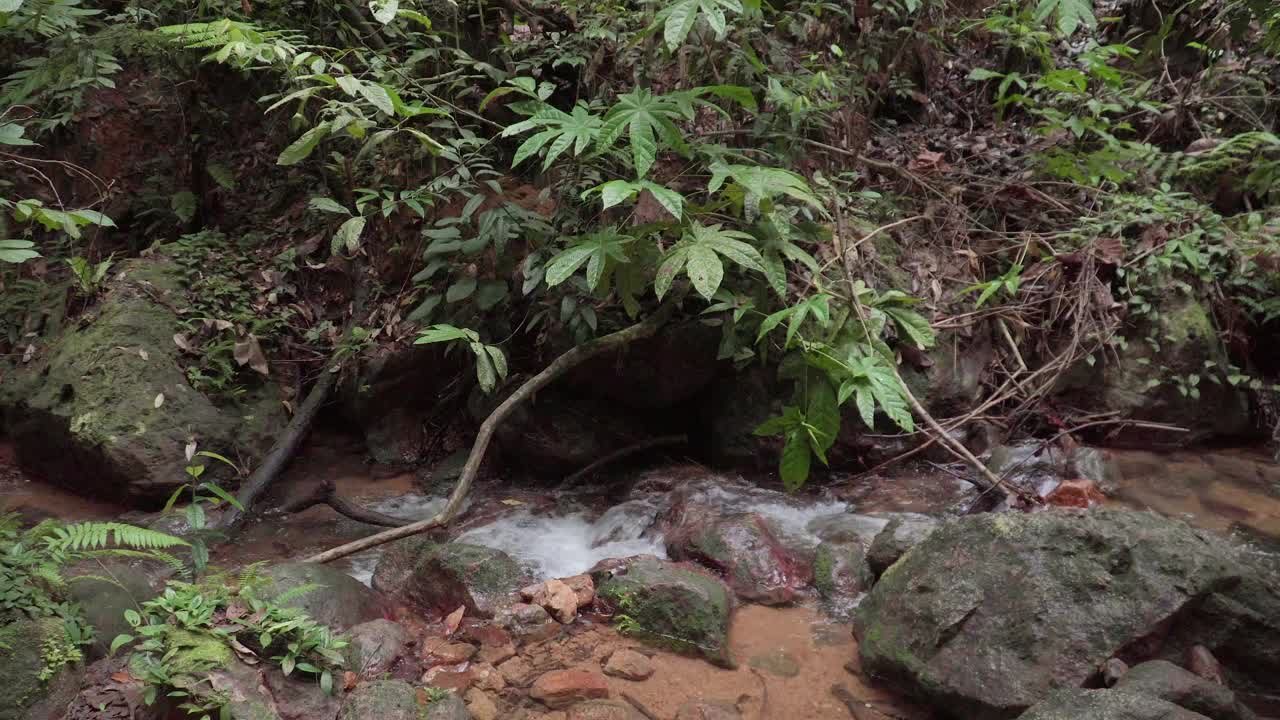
[[557, 368]]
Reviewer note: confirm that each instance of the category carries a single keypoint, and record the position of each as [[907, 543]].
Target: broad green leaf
[[348, 236], [669, 269], [490, 293], [913, 325], [499, 360], [378, 97], [670, 200], [796, 458], [384, 11], [532, 145], [302, 147], [17, 251], [442, 333], [183, 205], [486, 374], [566, 263], [1069, 14], [325, 204], [705, 270], [822, 413], [680, 19], [11, 133], [460, 290]]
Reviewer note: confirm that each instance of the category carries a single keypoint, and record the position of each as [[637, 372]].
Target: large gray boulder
[[105, 408], [991, 613], [335, 598], [1076, 704], [1164, 680]]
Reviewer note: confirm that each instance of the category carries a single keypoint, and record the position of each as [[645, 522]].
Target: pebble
[[629, 665]]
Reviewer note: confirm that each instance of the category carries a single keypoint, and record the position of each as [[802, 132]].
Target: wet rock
[[561, 688], [1202, 662], [603, 710], [583, 588], [1179, 341], [558, 598], [669, 604], [444, 577], [488, 677], [28, 646], [443, 652], [496, 646], [628, 665], [481, 706], [1239, 624], [1112, 670], [375, 646], [518, 672], [991, 612], [846, 528], [745, 549], [450, 678], [84, 414], [703, 710], [381, 700], [1164, 680], [1074, 704], [338, 600], [1078, 493], [900, 535], [841, 575], [244, 686], [449, 707], [527, 622]]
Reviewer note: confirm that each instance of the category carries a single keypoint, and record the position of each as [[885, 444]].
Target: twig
[[471, 469]]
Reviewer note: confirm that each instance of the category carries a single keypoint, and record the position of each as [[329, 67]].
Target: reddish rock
[[698, 710], [444, 652], [582, 587], [628, 665], [603, 710], [488, 677], [1076, 494], [481, 706], [517, 671], [456, 680], [562, 688], [527, 623], [744, 548]]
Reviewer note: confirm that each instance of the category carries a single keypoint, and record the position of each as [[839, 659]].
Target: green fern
[[295, 593], [94, 535]]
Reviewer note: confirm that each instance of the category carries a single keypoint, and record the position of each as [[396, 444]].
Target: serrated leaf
[[704, 269], [796, 458], [679, 23], [566, 263]]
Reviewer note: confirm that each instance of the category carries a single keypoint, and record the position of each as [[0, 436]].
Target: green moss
[[824, 565], [673, 608], [35, 652], [198, 653]]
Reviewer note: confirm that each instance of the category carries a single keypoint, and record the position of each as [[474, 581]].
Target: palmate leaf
[[678, 19], [1069, 15], [699, 254], [616, 191], [645, 118], [599, 251], [559, 131]]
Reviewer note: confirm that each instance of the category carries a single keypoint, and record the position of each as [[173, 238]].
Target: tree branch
[[471, 469]]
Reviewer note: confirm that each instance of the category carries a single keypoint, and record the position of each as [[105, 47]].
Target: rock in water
[[746, 550], [668, 604], [444, 577], [900, 535], [375, 646], [1077, 704], [992, 612]]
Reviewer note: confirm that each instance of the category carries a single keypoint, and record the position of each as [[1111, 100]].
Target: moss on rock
[[35, 655]]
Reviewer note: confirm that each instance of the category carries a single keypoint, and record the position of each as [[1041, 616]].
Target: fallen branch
[[325, 493], [558, 367], [628, 451]]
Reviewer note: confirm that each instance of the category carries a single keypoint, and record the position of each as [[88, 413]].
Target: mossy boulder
[[668, 604], [1178, 340], [106, 588], [1076, 704], [105, 409], [903, 532], [841, 576], [990, 613], [37, 662], [446, 576], [382, 700], [337, 599]]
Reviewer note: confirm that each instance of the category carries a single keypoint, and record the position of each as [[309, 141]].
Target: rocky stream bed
[[696, 595]]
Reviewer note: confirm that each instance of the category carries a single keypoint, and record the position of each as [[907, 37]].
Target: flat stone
[[583, 587], [628, 665], [777, 663], [488, 677], [558, 598], [517, 671], [456, 680], [481, 705], [562, 688], [447, 653], [527, 623]]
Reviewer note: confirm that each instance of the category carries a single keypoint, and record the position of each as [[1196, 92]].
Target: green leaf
[[11, 133], [302, 147], [705, 270], [670, 200], [564, 264], [485, 372], [913, 325], [669, 269], [823, 414], [680, 19], [643, 117], [1070, 14], [17, 251], [499, 360], [325, 204], [491, 293], [460, 290], [444, 333], [796, 458], [183, 205], [384, 11], [348, 236], [223, 494], [118, 642]]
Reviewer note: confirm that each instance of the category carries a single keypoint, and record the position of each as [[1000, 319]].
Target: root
[[326, 494]]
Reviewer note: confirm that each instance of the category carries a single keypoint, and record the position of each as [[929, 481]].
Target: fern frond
[[294, 593], [96, 535]]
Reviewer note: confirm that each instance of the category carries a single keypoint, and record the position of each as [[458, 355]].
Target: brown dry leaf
[[248, 352], [1109, 250], [452, 622], [1152, 236], [927, 162], [122, 677], [182, 342], [349, 680]]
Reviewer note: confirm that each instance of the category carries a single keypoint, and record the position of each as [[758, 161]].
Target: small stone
[[776, 663], [481, 705], [562, 688], [517, 671], [526, 622], [1112, 670], [488, 677], [1078, 493], [629, 665], [456, 680], [583, 587], [558, 598], [447, 653], [496, 654]]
